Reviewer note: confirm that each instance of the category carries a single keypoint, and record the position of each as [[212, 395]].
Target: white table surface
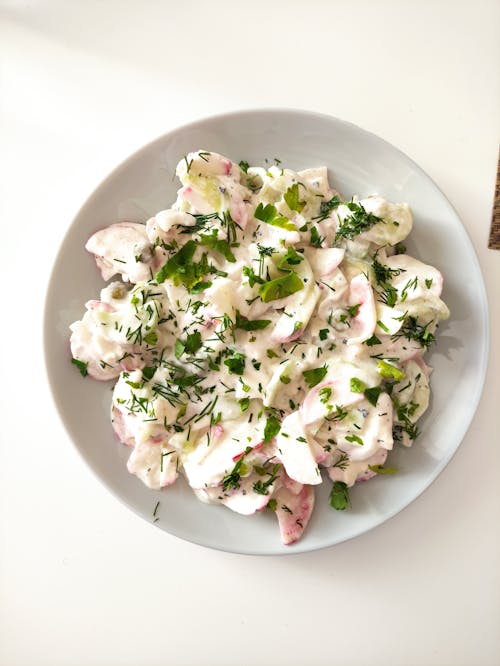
[[82, 579]]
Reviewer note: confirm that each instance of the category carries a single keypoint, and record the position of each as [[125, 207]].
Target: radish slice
[[358, 470], [287, 328], [154, 464], [122, 248], [295, 453], [363, 323], [293, 512], [374, 429], [324, 261], [120, 426]]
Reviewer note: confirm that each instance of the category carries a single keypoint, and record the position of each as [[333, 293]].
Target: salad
[[265, 334]]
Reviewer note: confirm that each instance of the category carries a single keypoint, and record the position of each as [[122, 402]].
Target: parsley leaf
[[339, 496], [148, 373], [181, 268], [316, 239], [244, 166], [357, 386], [371, 342], [271, 429], [235, 364], [353, 310], [390, 371], [291, 258], [191, 345], [219, 245], [269, 215], [244, 404], [250, 324], [354, 438], [291, 197], [252, 276], [372, 394], [280, 287], [315, 376]]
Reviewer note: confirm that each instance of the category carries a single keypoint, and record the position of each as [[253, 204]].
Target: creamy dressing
[[264, 329]]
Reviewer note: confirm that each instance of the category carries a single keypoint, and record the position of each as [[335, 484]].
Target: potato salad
[[265, 334]]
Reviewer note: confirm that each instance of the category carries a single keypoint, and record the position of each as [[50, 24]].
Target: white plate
[[360, 163]]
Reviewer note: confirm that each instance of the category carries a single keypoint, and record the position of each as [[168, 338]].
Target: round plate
[[359, 163]]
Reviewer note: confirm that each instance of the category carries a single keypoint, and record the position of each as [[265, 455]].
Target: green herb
[[235, 364], [339, 414], [384, 273], [372, 394], [151, 338], [342, 462], [280, 287], [399, 248], [262, 487], [148, 373], [316, 239], [357, 386], [252, 276], [193, 342], [291, 258], [250, 324], [411, 284], [339, 496], [181, 269], [269, 215], [179, 348], [271, 428], [232, 480], [272, 504], [354, 224], [428, 283], [389, 371], [353, 310], [325, 394], [315, 376], [388, 295], [291, 197], [354, 438], [371, 342], [155, 510], [244, 404], [383, 326], [271, 354], [378, 469], [404, 412], [412, 330], [244, 166], [219, 245], [326, 208], [323, 334], [81, 365], [284, 379]]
